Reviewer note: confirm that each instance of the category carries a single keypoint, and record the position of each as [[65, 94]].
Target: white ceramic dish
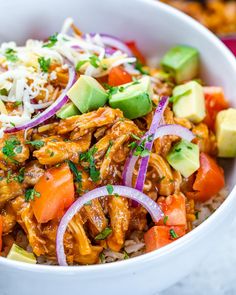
[[156, 27]]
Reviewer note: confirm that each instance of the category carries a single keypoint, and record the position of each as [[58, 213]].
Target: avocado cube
[[182, 61], [87, 94], [189, 102], [134, 98], [68, 110], [226, 133], [184, 157], [19, 254]]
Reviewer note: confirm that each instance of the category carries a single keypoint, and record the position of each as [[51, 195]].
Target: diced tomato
[[136, 52], [118, 76], [56, 189], [174, 210], [209, 180], [1, 233], [215, 102], [159, 236]]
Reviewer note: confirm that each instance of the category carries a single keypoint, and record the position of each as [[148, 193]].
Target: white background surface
[[216, 275]]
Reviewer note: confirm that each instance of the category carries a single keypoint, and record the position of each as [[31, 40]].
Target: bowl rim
[[178, 244]]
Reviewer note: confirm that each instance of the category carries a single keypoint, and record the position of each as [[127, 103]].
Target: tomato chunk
[[136, 52], [159, 236], [215, 102], [0, 233], [118, 76], [174, 210], [56, 189], [209, 180]]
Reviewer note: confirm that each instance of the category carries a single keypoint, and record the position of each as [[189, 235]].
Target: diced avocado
[[67, 111], [184, 157], [19, 254], [226, 133], [87, 94], [134, 98], [189, 102], [182, 61]]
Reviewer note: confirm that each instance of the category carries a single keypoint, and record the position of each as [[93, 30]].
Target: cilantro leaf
[[139, 67], [104, 234], [173, 234], [94, 61], [3, 91], [109, 148], [36, 143], [110, 189], [52, 40], [11, 147], [44, 63], [30, 194], [20, 177], [88, 157], [10, 55], [80, 64], [75, 171]]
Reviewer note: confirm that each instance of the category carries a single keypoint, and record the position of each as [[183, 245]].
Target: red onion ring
[[230, 42], [51, 110], [157, 131], [131, 161], [174, 129], [114, 42], [131, 193], [171, 129]]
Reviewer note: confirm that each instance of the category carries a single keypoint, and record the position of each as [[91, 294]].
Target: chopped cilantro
[[10, 55], [173, 234], [80, 64], [20, 177], [139, 67], [165, 219], [11, 147], [75, 171], [94, 61], [36, 143], [104, 234], [135, 136], [17, 103], [133, 145], [44, 63], [52, 40], [12, 124], [196, 214], [110, 189], [126, 255], [189, 147], [30, 194], [3, 91], [88, 157], [109, 148], [140, 150], [102, 257], [8, 176]]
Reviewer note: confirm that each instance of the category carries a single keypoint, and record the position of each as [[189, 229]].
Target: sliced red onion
[[50, 111], [174, 129], [131, 161], [114, 42], [171, 129], [230, 42], [131, 193], [154, 132]]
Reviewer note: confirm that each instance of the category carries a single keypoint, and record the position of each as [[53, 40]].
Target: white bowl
[[156, 27]]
